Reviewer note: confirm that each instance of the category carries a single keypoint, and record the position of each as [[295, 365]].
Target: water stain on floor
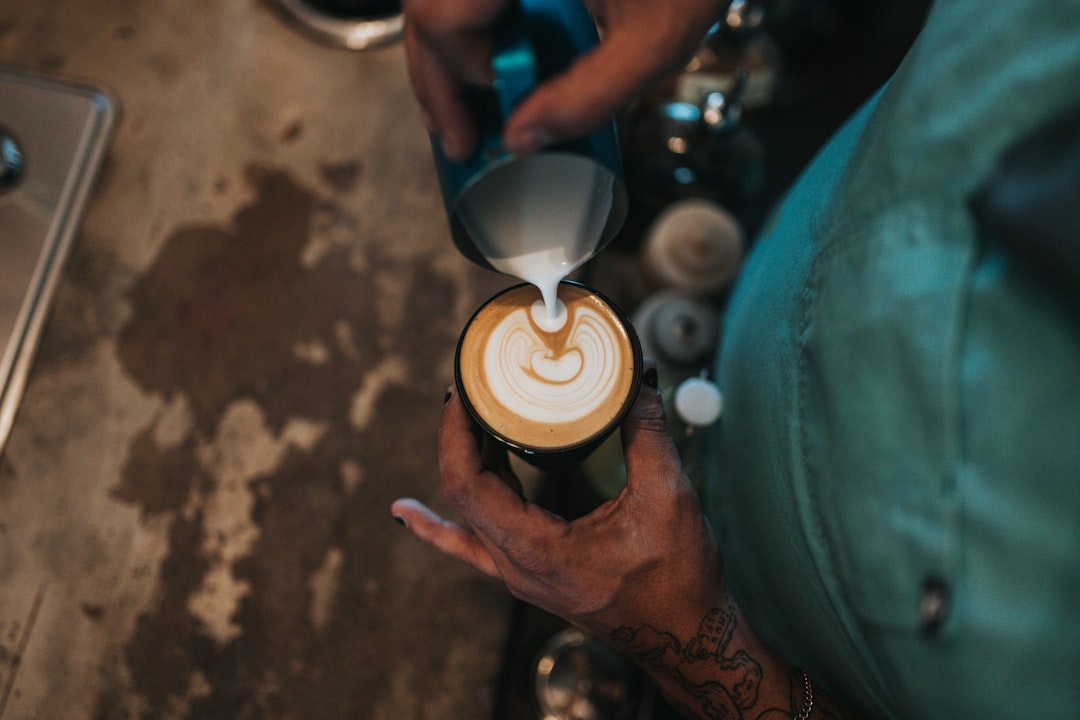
[[271, 600]]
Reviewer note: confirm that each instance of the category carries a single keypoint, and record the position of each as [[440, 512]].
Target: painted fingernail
[[400, 521], [446, 398], [650, 377]]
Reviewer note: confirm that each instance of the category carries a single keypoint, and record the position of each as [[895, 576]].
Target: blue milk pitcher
[[546, 213]]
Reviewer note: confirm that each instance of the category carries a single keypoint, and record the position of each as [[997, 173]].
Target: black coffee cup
[[550, 397]]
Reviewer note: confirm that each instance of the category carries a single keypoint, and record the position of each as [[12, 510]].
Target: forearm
[[718, 668]]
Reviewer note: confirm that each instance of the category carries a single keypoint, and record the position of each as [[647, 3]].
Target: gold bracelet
[[808, 698]]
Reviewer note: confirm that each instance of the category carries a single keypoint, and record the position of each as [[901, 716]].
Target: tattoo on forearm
[[720, 684]]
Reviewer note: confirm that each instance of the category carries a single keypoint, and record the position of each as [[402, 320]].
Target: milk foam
[[540, 217], [545, 320], [548, 389], [545, 269], [547, 382]]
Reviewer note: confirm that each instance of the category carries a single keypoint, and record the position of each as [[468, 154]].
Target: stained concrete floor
[[244, 365]]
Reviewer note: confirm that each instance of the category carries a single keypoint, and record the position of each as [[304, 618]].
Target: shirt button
[[933, 605]]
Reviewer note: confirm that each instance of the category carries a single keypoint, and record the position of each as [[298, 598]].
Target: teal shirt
[[899, 490]]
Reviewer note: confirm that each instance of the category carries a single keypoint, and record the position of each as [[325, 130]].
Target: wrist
[[718, 667]]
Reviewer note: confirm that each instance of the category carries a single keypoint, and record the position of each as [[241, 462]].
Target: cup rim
[[596, 438]]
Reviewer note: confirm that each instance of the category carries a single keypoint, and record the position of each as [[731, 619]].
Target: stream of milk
[[539, 218]]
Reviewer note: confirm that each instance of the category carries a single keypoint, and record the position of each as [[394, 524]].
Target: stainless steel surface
[[63, 128], [350, 33]]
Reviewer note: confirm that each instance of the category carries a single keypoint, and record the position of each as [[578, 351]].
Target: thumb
[[596, 87], [648, 449], [641, 43]]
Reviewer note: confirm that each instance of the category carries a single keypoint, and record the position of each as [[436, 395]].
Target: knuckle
[[454, 490], [651, 421]]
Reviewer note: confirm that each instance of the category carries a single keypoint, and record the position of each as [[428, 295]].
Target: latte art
[[545, 376], [548, 389]]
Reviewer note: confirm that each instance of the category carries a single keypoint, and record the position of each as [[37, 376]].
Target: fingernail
[[650, 378], [400, 521], [446, 398], [452, 146]]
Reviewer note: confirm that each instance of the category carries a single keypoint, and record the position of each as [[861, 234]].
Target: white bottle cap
[[698, 402]]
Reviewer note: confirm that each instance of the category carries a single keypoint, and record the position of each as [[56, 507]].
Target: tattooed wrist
[[719, 672], [714, 680]]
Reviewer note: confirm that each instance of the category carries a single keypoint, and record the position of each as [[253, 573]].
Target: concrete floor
[[244, 365]]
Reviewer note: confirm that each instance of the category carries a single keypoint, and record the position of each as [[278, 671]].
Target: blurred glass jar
[[738, 44], [694, 246], [677, 150], [579, 678]]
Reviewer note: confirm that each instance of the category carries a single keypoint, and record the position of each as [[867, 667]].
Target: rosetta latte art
[[552, 377], [544, 389]]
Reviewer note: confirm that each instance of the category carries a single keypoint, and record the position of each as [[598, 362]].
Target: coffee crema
[[548, 390]]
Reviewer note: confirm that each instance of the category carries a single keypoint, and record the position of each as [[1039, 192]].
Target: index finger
[[439, 93], [448, 48]]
